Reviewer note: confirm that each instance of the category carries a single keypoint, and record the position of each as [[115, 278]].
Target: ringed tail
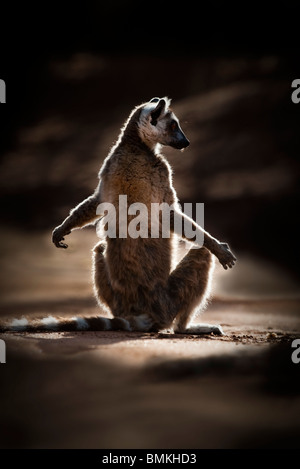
[[52, 324]]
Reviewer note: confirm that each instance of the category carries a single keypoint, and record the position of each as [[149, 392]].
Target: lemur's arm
[[220, 250], [83, 214]]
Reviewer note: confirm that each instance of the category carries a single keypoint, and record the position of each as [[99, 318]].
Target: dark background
[[73, 73], [227, 67]]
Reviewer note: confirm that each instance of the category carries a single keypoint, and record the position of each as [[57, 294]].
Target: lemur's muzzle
[[185, 143], [181, 143]]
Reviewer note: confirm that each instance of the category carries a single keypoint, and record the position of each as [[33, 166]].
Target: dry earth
[[156, 390]]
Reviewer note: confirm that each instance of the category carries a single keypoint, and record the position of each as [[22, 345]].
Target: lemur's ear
[[157, 111]]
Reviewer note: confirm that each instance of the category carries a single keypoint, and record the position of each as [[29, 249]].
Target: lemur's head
[[158, 124]]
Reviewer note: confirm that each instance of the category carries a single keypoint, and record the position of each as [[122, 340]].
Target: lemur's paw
[[225, 256], [58, 237]]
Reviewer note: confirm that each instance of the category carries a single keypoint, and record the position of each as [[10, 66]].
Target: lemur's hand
[[58, 236], [223, 253]]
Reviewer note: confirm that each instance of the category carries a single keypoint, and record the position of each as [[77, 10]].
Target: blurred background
[[73, 73], [72, 77]]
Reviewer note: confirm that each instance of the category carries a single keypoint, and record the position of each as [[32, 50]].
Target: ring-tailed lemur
[[133, 277]]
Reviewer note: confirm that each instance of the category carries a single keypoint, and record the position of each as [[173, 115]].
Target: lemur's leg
[[80, 216], [102, 285], [189, 288], [105, 294]]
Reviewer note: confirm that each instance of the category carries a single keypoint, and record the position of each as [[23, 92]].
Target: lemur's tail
[[52, 324]]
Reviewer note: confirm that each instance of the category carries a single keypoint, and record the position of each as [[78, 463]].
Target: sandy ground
[[155, 390]]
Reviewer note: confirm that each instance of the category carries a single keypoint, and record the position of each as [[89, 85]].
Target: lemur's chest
[[142, 181]]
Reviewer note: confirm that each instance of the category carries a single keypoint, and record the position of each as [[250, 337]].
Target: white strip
[[106, 322], [50, 322], [82, 324], [19, 324]]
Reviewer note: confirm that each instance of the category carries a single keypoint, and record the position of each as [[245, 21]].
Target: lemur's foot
[[202, 329]]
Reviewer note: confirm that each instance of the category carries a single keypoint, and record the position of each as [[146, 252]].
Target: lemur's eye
[[174, 125]]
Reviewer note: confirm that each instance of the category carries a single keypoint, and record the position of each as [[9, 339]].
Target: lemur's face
[[158, 124]]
